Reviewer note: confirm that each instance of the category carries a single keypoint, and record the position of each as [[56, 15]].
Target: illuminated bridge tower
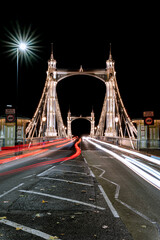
[[110, 98], [47, 120], [114, 120]]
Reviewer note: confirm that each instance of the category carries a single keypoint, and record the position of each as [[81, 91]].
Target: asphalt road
[[132, 184], [45, 198]]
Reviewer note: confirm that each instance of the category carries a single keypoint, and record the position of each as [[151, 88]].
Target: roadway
[[53, 194], [60, 192], [131, 181]]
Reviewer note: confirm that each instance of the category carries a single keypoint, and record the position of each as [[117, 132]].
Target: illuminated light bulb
[[22, 46]]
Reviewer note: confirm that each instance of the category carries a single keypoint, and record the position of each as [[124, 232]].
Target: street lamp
[[116, 121], [21, 43], [21, 47]]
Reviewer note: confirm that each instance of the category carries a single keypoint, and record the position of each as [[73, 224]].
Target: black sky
[[81, 34]]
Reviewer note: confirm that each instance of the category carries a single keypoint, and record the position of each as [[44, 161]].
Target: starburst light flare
[[25, 40]]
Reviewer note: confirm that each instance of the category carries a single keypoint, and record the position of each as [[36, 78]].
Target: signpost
[[148, 121], [10, 115]]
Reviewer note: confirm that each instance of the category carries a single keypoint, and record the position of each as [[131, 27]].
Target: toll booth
[[148, 135], [7, 131]]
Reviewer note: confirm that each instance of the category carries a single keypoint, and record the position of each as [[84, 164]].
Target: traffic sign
[[149, 121], [10, 118]]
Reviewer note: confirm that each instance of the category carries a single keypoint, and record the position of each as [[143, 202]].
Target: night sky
[[81, 34]]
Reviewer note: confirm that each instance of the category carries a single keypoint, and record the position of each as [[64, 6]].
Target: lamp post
[[21, 47], [116, 121]]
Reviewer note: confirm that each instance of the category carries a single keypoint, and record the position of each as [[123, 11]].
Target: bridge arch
[[80, 93], [60, 77]]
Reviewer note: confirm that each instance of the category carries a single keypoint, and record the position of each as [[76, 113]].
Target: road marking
[[67, 181], [27, 229], [91, 173], [113, 210], [101, 176], [63, 199], [29, 176], [46, 171], [11, 190], [58, 170], [71, 165], [125, 204]]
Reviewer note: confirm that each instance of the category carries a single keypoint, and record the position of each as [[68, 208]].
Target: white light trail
[[156, 161], [144, 167], [146, 176]]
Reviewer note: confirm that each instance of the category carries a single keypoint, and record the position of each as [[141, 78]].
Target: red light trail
[[76, 154]]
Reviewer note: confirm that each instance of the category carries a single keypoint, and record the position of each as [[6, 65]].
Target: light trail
[[143, 174], [26, 147], [22, 156], [144, 167], [156, 161], [36, 152], [76, 154]]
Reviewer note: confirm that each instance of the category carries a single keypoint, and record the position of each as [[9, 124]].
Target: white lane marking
[[46, 171], [27, 229], [125, 204], [11, 190], [58, 170], [113, 210], [64, 199], [29, 176], [67, 181], [91, 173], [106, 179], [136, 211], [72, 165]]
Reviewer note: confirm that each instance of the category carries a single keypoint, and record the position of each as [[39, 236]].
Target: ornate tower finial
[[52, 62], [110, 54], [52, 51]]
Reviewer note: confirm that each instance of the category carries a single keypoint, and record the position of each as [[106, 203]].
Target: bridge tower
[[114, 119], [72, 118], [51, 98], [47, 120], [110, 97]]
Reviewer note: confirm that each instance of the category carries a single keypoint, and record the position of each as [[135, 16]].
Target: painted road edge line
[[64, 199], [5, 193], [67, 181], [28, 229], [113, 210]]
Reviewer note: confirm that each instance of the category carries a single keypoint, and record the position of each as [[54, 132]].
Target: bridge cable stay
[[32, 126]]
